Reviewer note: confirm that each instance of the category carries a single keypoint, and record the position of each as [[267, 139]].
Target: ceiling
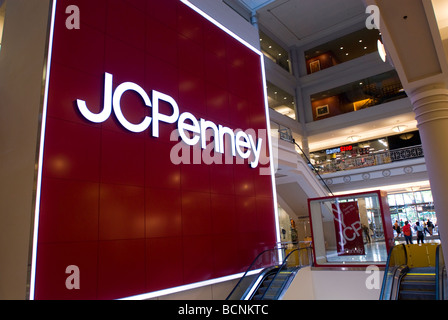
[[441, 11], [301, 22], [295, 22], [365, 131]]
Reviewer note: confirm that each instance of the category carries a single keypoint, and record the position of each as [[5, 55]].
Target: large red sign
[[348, 229], [124, 208]]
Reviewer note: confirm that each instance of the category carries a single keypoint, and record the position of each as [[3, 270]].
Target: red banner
[[348, 229]]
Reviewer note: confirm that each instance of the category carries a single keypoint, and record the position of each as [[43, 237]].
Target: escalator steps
[[418, 286], [274, 289]]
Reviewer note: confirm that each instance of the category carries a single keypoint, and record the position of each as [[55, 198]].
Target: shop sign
[[348, 229], [339, 149], [110, 200], [241, 142]]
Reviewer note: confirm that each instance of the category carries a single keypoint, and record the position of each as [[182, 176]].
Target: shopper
[[407, 232], [425, 228], [366, 232], [419, 230], [397, 228], [430, 226]]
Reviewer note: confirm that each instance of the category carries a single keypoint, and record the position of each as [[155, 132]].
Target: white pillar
[[431, 112]]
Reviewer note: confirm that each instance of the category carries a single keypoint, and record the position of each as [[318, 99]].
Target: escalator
[[271, 282], [274, 284], [415, 272], [418, 284]]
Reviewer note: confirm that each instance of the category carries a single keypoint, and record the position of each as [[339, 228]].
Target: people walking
[[407, 232], [366, 232], [397, 228], [430, 226], [425, 228], [419, 230]]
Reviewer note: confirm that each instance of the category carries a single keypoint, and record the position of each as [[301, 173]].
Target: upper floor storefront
[[343, 49], [361, 154], [357, 95], [342, 76]]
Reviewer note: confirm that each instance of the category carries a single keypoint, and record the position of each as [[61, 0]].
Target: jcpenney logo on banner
[[192, 131]]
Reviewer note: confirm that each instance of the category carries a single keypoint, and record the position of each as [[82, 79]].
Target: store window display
[[351, 230]]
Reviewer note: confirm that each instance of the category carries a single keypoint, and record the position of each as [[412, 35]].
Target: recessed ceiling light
[[360, 40], [399, 128], [342, 48], [353, 138], [365, 48], [346, 54]]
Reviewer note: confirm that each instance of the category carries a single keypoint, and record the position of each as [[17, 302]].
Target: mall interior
[[357, 105]]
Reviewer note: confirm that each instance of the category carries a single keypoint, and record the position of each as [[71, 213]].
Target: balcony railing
[[368, 160]]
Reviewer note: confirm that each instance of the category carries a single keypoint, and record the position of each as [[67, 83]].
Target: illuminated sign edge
[[32, 283], [42, 142]]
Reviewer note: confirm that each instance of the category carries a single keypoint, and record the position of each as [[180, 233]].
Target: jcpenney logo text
[[191, 130]]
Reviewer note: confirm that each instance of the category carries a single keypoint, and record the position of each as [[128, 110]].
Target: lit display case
[[353, 230]]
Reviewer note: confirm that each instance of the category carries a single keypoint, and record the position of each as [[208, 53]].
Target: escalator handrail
[[250, 268], [388, 266], [314, 168], [281, 268], [440, 274], [399, 273]]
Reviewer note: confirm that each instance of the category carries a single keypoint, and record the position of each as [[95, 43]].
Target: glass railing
[[370, 160], [396, 265], [274, 52], [281, 101]]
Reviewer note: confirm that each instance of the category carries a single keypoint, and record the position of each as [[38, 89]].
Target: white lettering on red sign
[[242, 143]]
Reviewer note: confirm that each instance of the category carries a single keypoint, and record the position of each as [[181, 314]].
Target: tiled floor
[[375, 252]]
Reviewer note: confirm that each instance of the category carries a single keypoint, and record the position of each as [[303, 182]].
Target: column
[[431, 112], [21, 70]]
